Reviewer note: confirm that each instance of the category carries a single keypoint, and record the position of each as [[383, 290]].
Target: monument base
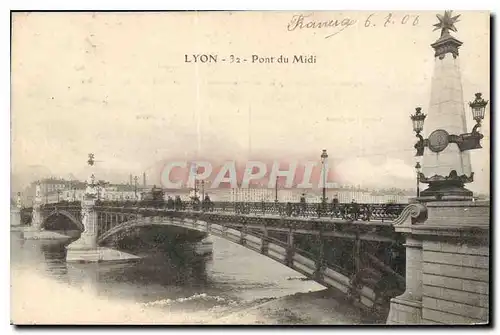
[[446, 190]]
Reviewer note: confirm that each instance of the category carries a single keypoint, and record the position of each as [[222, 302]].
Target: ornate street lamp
[[324, 157], [135, 187], [276, 190], [418, 168], [439, 139], [418, 125], [478, 107]]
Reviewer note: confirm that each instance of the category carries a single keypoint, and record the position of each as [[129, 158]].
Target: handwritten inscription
[[300, 21], [251, 59]]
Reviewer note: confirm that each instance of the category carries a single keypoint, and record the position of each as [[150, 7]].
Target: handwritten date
[[299, 22]]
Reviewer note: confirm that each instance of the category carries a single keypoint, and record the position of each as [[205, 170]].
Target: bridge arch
[[65, 213], [299, 260]]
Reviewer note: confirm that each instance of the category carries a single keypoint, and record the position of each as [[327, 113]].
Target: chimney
[[131, 179], [144, 178]]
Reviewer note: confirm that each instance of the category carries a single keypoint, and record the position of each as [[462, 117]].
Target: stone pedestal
[[15, 217], [455, 263], [447, 276], [85, 248], [36, 218]]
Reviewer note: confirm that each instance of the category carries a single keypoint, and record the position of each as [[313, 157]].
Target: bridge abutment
[[447, 270], [15, 217], [15, 212]]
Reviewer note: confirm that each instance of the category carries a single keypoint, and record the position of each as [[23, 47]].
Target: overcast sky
[[117, 85]]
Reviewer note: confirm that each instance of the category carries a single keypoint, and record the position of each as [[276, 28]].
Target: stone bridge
[[355, 251], [413, 257]]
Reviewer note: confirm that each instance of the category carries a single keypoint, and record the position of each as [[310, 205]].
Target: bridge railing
[[350, 212], [61, 204]]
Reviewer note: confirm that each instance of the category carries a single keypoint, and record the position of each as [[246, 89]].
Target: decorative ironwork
[[453, 176], [478, 107], [347, 212], [450, 186], [438, 140], [418, 125]]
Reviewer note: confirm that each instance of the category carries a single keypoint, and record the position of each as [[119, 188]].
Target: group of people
[[177, 203], [347, 211]]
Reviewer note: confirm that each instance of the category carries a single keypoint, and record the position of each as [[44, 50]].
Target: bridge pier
[[85, 248], [447, 270]]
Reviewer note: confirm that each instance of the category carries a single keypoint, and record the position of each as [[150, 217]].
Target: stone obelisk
[[445, 167]]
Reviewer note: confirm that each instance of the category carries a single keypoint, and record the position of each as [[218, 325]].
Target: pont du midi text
[[253, 59]]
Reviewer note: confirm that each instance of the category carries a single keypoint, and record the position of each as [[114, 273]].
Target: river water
[[173, 287]]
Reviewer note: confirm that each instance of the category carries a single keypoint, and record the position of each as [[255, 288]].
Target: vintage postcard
[[250, 168]]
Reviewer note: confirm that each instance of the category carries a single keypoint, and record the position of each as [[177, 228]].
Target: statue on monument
[[446, 23], [91, 190]]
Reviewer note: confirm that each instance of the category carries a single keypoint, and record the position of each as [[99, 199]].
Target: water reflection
[[55, 257]]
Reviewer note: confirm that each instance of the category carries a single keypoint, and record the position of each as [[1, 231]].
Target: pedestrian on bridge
[[178, 203], [170, 203], [289, 209], [303, 204], [355, 209], [207, 203], [335, 206]]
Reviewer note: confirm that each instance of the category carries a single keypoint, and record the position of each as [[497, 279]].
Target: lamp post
[[276, 190], [58, 193], [418, 125], [195, 189], [135, 187], [324, 157], [418, 168], [478, 107]]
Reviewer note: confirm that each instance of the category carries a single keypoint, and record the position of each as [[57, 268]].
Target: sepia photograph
[[250, 167]]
